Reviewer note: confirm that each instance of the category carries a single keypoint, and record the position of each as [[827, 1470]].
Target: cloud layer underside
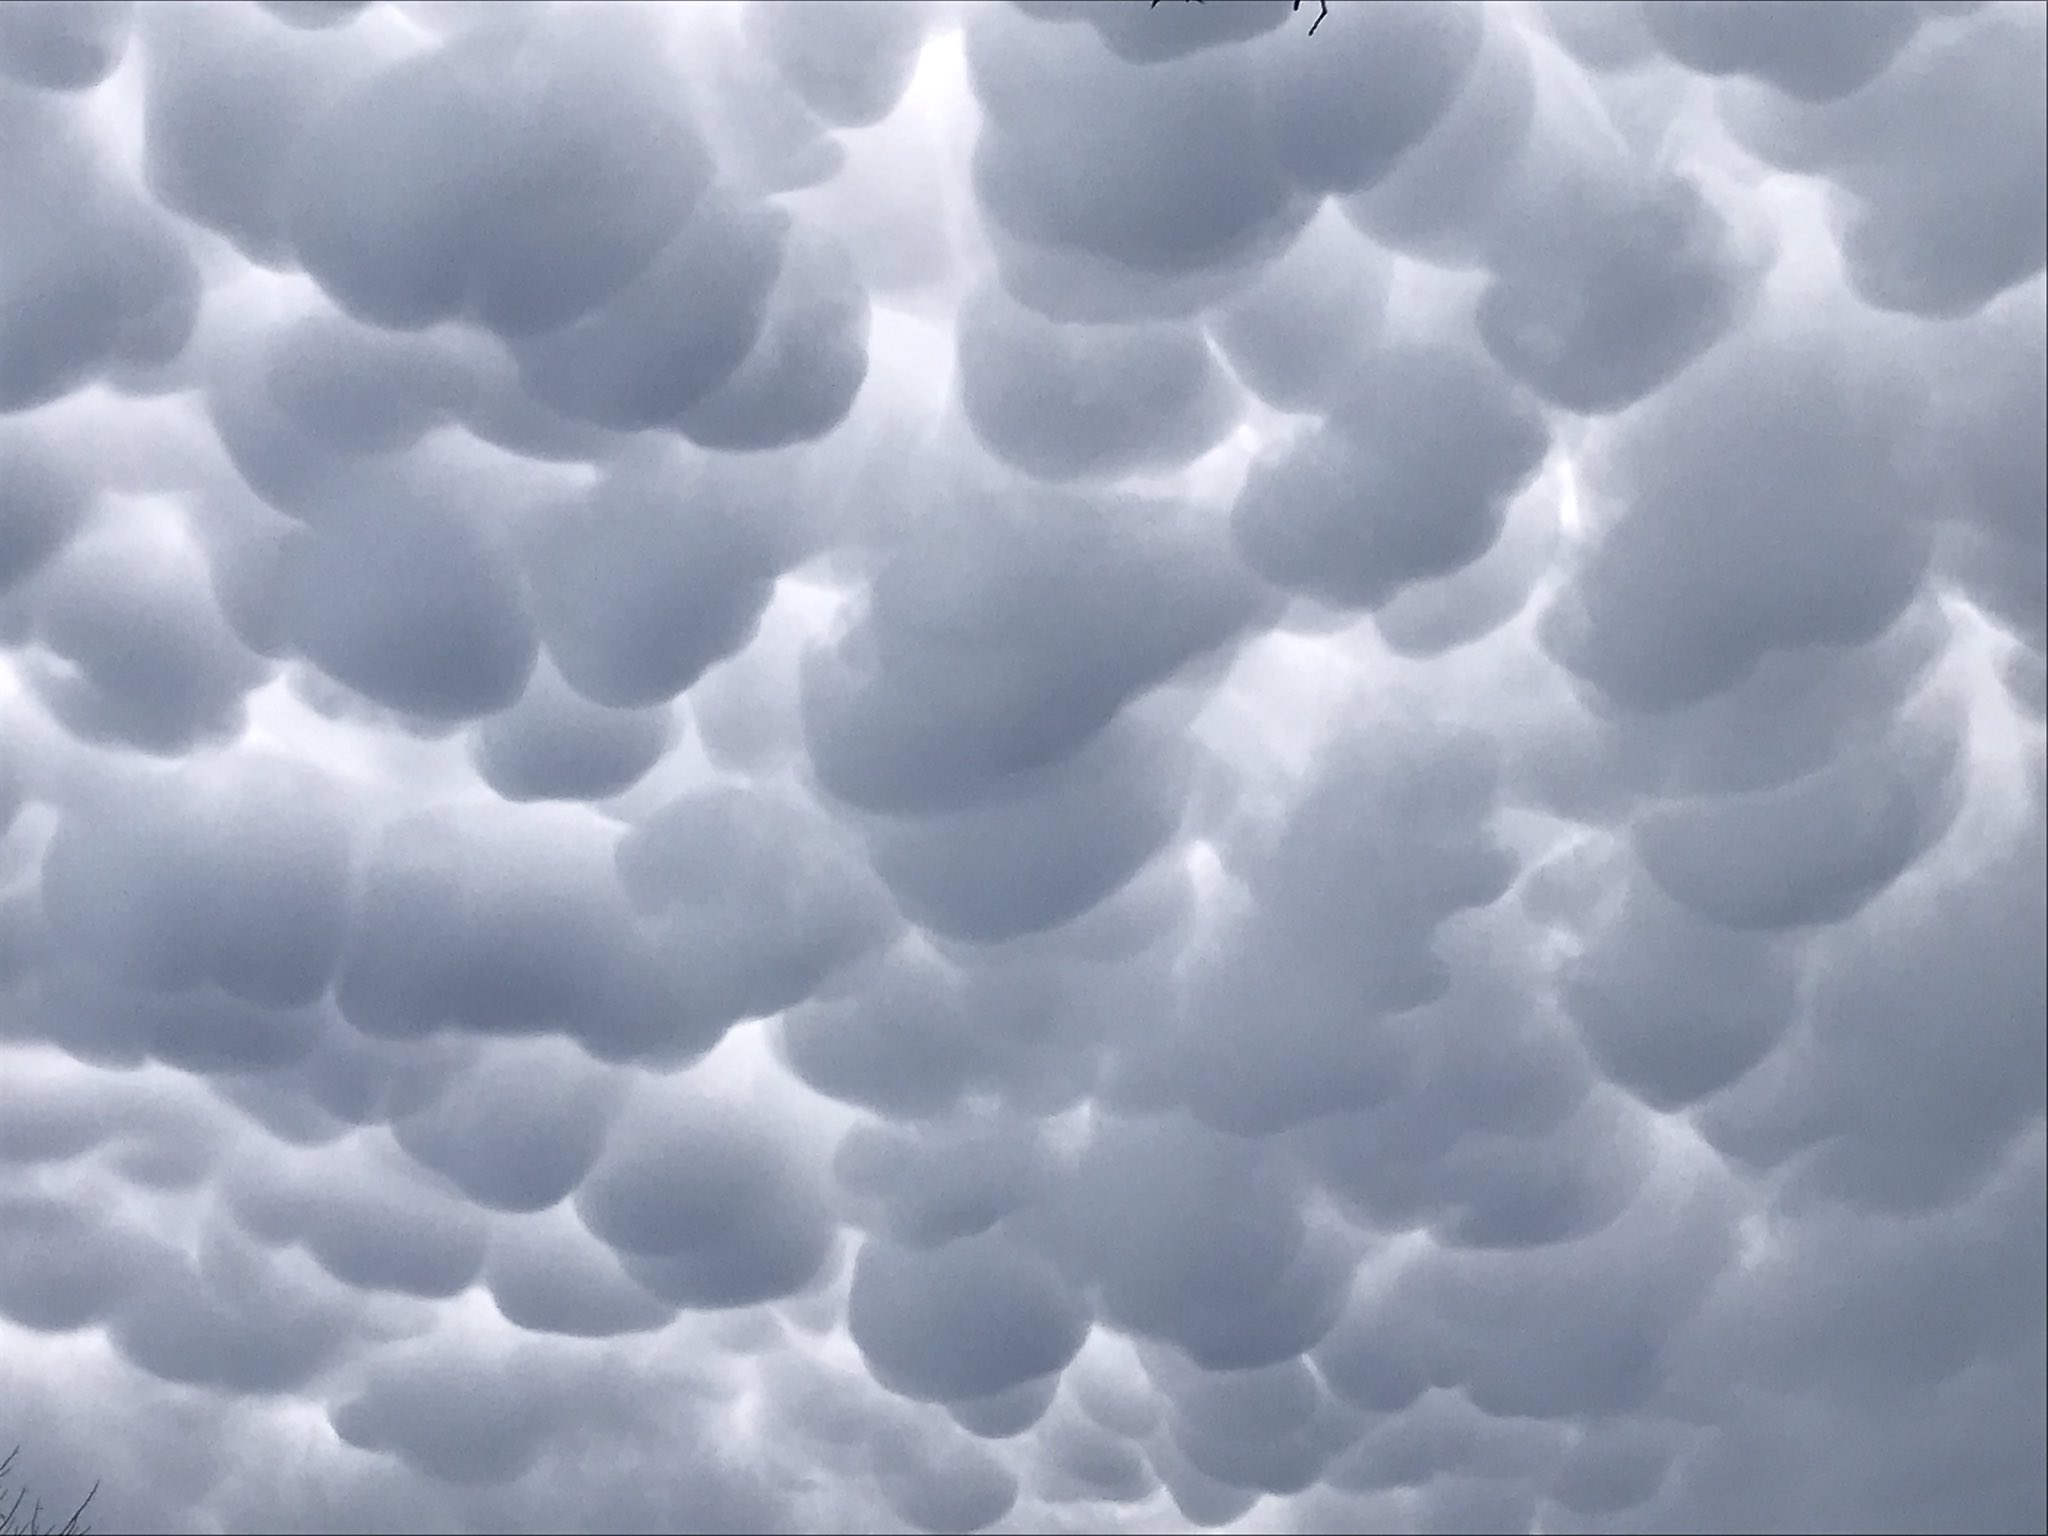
[[852, 766]]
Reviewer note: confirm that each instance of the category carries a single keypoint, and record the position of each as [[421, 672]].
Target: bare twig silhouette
[[1323, 10], [14, 1523]]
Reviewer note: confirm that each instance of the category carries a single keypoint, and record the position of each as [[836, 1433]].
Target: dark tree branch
[[11, 1523], [1323, 9]]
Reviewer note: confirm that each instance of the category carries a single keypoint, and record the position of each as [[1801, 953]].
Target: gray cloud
[[702, 1210], [1941, 220], [370, 212], [1409, 480], [1028, 766], [1806, 51], [64, 47], [94, 278], [1678, 598], [969, 1319]]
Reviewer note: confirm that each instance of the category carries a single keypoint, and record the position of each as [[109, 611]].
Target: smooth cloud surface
[[797, 766]]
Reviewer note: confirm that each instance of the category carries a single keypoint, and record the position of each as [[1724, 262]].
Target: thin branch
[[11, 1523], [1323, 10]]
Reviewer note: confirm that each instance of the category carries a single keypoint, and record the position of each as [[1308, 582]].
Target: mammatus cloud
[[786, 766]]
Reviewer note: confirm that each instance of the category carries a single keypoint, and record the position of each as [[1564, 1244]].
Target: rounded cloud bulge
[[905, 765]]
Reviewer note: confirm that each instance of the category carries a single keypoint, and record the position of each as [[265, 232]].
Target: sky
[[1023, 765]]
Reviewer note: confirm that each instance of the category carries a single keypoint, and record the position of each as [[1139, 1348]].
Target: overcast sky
[[1023, 765]]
